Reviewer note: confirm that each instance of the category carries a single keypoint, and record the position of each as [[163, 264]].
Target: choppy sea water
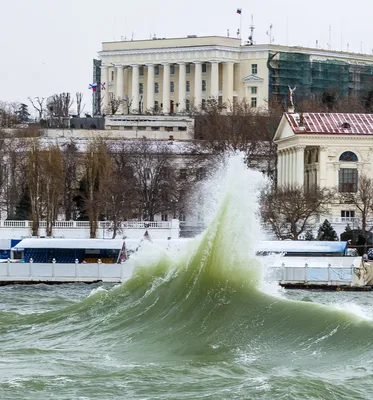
[[199, 324]]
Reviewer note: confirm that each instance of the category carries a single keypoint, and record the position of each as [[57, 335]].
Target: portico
[[171, 76]]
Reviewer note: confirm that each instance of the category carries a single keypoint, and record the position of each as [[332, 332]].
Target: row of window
[[172, 87], [254, 69], [183, 172]]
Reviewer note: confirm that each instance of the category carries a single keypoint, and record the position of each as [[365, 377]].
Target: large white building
[[172, 75], [329, 151]]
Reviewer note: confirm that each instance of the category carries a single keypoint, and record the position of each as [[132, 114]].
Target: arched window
[[348, 156]]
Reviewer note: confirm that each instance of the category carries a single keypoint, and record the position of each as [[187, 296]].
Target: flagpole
[[241, 26]]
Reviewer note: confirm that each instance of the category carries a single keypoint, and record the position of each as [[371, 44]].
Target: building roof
[[302, 246], [331, 123], [51, 243]]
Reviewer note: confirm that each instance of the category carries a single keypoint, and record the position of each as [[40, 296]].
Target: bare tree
[[79, 106], [119, 194], [149, 161], [289, 210], [239, 127], [51, 184], [59, 109], [127, 101], [9, 114], [71, 165], [34, 183], [38, 105], [113, 104], [97, 171], [362, 200]]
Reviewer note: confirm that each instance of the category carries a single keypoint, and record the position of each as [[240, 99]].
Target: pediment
[[252, 79]]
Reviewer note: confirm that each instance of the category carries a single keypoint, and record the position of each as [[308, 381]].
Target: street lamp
[[174, 203]]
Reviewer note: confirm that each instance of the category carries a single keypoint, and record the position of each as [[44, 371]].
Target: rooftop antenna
[[228, 32], [330, 38], [317, 44], [250, 42], [348, 47], [132, 36], [269, 33]]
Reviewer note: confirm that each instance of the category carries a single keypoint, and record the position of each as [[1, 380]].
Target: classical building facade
[[172, 75], [326, 150]]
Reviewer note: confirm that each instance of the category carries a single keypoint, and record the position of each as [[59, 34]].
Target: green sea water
[[199, 324]]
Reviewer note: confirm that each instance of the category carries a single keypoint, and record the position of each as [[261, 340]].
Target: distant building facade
[[328, 151], [172, 75]]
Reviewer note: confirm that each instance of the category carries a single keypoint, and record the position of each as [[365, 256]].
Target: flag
[[123, 254], [239, 10], [93, 86]]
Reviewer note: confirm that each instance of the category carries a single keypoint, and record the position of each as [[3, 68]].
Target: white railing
[[85, 224], [54, 272]]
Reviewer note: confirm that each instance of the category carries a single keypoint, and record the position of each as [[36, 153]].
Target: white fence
[[59, 273], [332, 271], [80, 229]]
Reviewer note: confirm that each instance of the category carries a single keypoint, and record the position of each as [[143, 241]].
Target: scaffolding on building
[[96, 95], [313, 76]]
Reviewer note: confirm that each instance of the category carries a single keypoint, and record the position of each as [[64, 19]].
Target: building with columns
[[170, 75], [326, 150]]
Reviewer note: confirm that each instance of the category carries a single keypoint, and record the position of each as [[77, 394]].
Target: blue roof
[[302, 246]]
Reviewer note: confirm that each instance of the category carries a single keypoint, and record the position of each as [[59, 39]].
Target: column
[[135, 88], [166, 88], [299, 180], [322, 167], [214, 80], [197, 84], [286, 167], [119, 87], [150, 88], [291, 167], [228, 82], [182, 85], [279, 167], [105, 93]]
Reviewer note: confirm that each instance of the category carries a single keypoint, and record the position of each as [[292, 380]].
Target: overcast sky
[[47, 46]]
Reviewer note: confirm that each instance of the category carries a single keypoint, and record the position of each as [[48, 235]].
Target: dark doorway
[[171, 106]]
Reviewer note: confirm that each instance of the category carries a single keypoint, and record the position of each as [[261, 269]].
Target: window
[[254, 90], [164, 217], [181, 128], [203, 104], [201, 174], [203, 85], [172, 69], [182, 217], [187, 68], [348, 156], [172, 87], [141, 70], [254, 69], [348, 180], [204, 68], [147, 173], [155, 128], [187, 87], [348, 214], [141, 88], [183, 173], [156, 107], [156, 70], [112, 75], [169, 128], [187, 105], [156, 87], [253, 102]]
